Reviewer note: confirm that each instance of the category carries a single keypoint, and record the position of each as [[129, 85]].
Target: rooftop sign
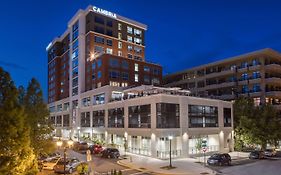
[[104, 12]]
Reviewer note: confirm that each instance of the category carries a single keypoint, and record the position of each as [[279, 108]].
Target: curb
[[155, 172]]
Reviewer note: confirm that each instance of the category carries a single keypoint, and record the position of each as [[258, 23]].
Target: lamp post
[[59, 144], [170, 139]]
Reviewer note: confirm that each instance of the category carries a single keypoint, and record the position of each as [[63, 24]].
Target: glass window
[[113, 74], [109, 23], [66, 106], [137, 32], [146, 69], [244, 64], [130, 47], [140, 116], [119, 35], [98, 118], [75, 91], [130, 56], [136, 67], [256, 88], [146, 79], [245, 89], [116, 118], [74, 63], [138, 49], [98, 99], [109, 42], [75, 82], [136, 78], [130, 39], [99, 20], [156, 71], [75, 45], [74, 72], [99, 49], [168, 115], [202, 116], [137, 40], [94, 66], [119, 53], [256, 75], [99, 74], [85, 119], [86, 101], [119, 26], [66, 120], [155, 81], [119, 45], [99, 39], [108, 51], [99, 63], [59, 107], [244, 76], [74, 104], [227, 117], [125, 76], [129, 29], [125, 64], [59, 120], [114, 62], [75, 54]]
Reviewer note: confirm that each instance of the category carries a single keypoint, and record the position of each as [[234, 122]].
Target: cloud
[[12, 65]]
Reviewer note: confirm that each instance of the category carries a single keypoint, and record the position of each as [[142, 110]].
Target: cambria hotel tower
[[101, 86]]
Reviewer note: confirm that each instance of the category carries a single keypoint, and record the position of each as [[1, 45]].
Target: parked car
[[96, 149], [219, 159], [110, 153], [70, 165], [80, 146], [270, 152], [50, 163], [256, 155]]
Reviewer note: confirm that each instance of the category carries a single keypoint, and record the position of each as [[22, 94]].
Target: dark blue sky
[[181, 33]]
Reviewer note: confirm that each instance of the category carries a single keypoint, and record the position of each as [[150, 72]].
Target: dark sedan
[[110, 153], [256, 155], [219, 159]]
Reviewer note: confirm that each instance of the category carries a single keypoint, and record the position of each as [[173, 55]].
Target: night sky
[[181, 33]]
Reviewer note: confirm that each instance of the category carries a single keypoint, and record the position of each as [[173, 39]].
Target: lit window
[[119, 26], [129, 29], [119, 35], [136, 77], [136, 67], [119, 45], [130, 47], [119, 53], [129, 39], [137, 40], [99, 74], [137, 32], [109, 51]]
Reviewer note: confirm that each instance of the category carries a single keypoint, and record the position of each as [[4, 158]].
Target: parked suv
[[70, 165], [219, 159], [110, 153]]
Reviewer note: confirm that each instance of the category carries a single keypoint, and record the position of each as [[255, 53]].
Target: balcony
[[221, 85], [275, 80], [273, 67], [273, 93], [221, 73]]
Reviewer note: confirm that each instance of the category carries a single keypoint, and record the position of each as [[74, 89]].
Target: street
[[99, 165]]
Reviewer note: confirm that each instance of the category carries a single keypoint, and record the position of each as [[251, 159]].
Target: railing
[[141, 151]]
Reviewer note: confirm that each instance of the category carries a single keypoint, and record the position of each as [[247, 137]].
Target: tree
[[37, 118], [255, 125], [16, 155]]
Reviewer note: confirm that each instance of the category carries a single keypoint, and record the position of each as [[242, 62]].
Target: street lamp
[[59, 144], [78, 133], [170, 139]]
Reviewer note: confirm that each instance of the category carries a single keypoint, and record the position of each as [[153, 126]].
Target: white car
[[270, 152], [50, 163]]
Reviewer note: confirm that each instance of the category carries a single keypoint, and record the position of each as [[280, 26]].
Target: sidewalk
[[186, 166]]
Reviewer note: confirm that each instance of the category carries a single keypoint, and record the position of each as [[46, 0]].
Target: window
[[59, 120], [227, 117], [109, 32], [168, 115], [119, 53], [116, 118], [99, 49], [66, 120], [119, 35], [130, 30], [108, 51], [146, 79], [245, 89], [99, 20], [85, 119], [136, 67], [130, 47], [59, 107], [75, 45], [202, 116], [109, 23], [99, 74], [256, 75], [114, 74], [138, 50], [109, 42], [244, 76], [119, 45], [137, 40], [66, 106], [99, 63], [155, 81], [256, 88], [130, 56], [114, 62], [98, 118], [146, 69], [75, 54], [130, 39], [74, 104], [86, 101], [136, 78], [140, 116], [125, 64], [74, 63], [244, 64], [137, 32], [75, 82], [98, 99], [119, 26], [99, 39], [125, 76], [75, 72], [75, 91], [94, 66], [156, 71]]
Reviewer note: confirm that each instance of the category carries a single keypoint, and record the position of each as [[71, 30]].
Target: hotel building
[[256, 75], [100, 86]]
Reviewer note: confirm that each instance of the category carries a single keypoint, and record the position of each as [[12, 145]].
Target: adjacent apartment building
[[256, 75], [101, 86]]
